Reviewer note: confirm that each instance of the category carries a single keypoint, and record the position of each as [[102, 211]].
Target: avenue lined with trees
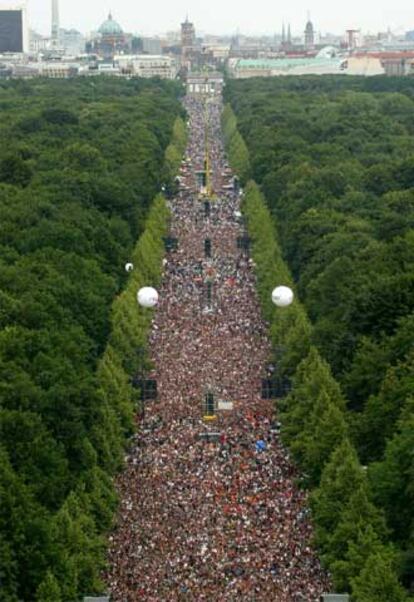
[[334, 158], [327, 169], [82, 162]]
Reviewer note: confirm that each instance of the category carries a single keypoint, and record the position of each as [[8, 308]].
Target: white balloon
[[147, 296], [129, 267], [282, 296]]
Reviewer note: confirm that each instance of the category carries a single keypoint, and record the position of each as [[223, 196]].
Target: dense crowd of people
[[209, 507]]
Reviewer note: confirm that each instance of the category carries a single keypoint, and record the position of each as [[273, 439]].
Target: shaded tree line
[[79, 164], [354, 528]]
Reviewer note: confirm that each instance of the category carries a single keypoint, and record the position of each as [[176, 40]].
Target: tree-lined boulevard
[[216, 517]]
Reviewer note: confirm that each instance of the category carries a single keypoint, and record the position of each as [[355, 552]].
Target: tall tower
[[55, 22], [286, 38], [352, 35], [187, 35], [309, 34]]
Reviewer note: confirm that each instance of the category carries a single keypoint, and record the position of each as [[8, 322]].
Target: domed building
[[110, 28], [110, 40]]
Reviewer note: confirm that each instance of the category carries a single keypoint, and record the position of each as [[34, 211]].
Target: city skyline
[[217, 18]]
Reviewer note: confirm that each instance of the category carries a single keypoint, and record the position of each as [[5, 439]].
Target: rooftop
[[287, 62], [110, 27]]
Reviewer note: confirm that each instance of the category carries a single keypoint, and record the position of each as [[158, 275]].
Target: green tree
[[292, 330], [341, 476], [334, 159], [323, 431], [80, 165], [14, 170], [48, 590], [312, 379], [239, 157], [382, 411], [78, 559], [378, 581], [360, 532], [363, 543], [392, 481], [8, 571], [25, 537], [59, 116]]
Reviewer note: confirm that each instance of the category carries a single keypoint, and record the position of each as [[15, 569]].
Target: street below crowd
[[209, 508]]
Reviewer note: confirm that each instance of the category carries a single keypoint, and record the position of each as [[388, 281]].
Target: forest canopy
[[334, 157], [80, 162]]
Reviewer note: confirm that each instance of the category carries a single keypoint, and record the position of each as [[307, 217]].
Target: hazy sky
[[226, 16]]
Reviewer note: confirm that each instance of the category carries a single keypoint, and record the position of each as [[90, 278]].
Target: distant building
[[330, 39], [72, 42], [248, 49], [190, 48], [110, 39], [58, 70], [54, 69], [353, 38], [199, 84], [216, 53], [309, 35], [393, 62], [398, 66], [108, 68], [37, 42], [319, 65], [13, 32], [188, 37], [146, 65], [327, 61], [23, 71], [172, 50], [151, 46], [364, 65]]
